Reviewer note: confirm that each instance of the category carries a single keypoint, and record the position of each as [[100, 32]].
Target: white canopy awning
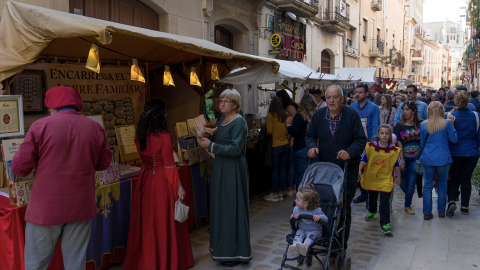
[[366, 75], [291, 71]]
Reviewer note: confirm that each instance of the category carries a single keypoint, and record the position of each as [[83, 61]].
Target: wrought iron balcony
[[417, 57], [303, 8], [336, 19], [377, 5], [376, 48], [419, 32], [349, 50], [398, 60]]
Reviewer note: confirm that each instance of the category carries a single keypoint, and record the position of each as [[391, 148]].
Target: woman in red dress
[[155, 239]]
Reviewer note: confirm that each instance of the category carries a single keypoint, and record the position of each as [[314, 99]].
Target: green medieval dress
[[229, 222]]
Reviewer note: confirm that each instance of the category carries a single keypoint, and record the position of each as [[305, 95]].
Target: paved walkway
[[448, 243]]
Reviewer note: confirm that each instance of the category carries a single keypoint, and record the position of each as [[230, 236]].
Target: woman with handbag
[[465, 154], [407, 131], [435, 133], [387, 111], [155, 239], [297, 128], [229, 211]]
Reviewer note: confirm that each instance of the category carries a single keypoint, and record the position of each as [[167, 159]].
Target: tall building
[[414, 38]]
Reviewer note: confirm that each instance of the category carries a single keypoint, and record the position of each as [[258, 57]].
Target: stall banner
[[201, 176], [110, 226], [110, 93], [295, 42]]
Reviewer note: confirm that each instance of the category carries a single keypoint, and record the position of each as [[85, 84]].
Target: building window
[[223, 37], [326, 60], [349, 42], [365, 29]]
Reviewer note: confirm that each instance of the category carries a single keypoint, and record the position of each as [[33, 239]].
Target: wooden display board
[[126, 142]]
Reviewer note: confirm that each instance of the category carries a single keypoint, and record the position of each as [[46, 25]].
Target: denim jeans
[[300, 162], [291, 170], [279, 168], [409, 178], [429, 178]]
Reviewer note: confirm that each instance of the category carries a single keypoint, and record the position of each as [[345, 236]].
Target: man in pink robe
[[65, 149]]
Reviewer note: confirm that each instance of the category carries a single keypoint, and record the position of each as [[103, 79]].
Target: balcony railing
[[476, 45], [398, 60], [351, 50], [419, 32], [377, 5], [417, 53], [376, 48], [304, 8], [336, 19]]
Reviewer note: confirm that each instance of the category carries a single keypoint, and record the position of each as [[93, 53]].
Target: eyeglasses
[[225, 101]]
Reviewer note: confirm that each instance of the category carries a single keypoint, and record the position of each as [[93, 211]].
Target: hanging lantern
[[136, 73], [194, 78], [214, 72], [167, 77], [93, 60]]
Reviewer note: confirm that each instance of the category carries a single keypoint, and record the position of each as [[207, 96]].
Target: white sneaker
[[293, 251], [302, 249], [270, 197], [288, 193], [280, 197]]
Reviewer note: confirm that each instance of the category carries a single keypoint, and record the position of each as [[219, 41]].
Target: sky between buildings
[[439, 10]]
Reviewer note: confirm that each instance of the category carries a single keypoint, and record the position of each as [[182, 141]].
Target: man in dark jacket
[[474, 100], [340, 136]]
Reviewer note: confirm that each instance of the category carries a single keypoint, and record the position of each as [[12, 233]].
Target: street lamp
[[459, 65], [394, 51]]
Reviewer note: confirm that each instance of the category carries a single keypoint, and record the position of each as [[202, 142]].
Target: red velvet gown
[[155, 239]]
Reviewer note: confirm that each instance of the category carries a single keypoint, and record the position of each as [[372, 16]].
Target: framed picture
[[11, 114], [31, 85], [270, 21]]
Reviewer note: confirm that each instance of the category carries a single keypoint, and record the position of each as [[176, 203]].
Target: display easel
[[124, 141]]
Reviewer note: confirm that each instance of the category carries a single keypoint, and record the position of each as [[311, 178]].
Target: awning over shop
[[367, 75], [291, 71], [29, 31]]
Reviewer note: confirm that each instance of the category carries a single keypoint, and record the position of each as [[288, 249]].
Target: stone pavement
[[448, 243]]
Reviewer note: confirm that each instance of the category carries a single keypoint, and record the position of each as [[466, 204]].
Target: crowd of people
[[428, 138], [422, 138]]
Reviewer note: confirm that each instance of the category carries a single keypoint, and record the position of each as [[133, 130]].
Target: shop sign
[[293, 36], [276, 40], [275, 51], [424, 79]]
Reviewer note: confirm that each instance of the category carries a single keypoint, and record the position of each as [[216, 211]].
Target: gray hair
[[451, 94], [234, 96], [338, 88]]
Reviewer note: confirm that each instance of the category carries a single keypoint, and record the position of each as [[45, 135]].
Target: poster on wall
[[110, 93], [343, 8]]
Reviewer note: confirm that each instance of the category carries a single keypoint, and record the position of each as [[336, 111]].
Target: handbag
[[181, 211], [418, 164]]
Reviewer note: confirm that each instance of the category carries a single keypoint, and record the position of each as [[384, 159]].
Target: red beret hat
[[62, 96]]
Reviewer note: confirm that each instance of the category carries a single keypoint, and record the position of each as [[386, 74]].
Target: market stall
[[115, 68]]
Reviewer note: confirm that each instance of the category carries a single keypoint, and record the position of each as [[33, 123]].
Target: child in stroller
[[307, 203]]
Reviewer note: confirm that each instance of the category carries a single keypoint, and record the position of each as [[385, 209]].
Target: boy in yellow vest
[[382, 158]]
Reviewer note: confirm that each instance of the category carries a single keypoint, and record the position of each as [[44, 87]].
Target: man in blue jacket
[[474, 100], [412, 96], [370, 117]]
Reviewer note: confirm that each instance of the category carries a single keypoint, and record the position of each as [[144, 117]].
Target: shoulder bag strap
[[476, 118], [388, 118], [425, 141]]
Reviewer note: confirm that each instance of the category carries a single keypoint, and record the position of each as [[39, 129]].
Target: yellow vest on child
[[378, 171]]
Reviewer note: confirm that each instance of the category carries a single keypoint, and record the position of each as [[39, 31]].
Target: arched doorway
[[326, 60], [130, 12]]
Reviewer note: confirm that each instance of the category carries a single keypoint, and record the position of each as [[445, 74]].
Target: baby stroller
[[330, 182]]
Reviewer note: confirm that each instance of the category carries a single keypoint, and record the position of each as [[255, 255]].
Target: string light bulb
[[93, 60], [214, 72], [194, 78], [167, 77], [136, 73]]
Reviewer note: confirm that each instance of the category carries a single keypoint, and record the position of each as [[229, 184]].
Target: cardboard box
[[203, 154], [190, 157], [19, 192]]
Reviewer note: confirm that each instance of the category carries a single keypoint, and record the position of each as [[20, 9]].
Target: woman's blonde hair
[[234, 96], [436, 117], [310, 196], [461, 99], [389, 100]]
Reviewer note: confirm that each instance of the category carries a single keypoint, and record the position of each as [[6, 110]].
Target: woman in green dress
[[229, 223]]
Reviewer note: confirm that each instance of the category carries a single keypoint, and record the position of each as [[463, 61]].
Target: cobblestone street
[[448, 243]]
